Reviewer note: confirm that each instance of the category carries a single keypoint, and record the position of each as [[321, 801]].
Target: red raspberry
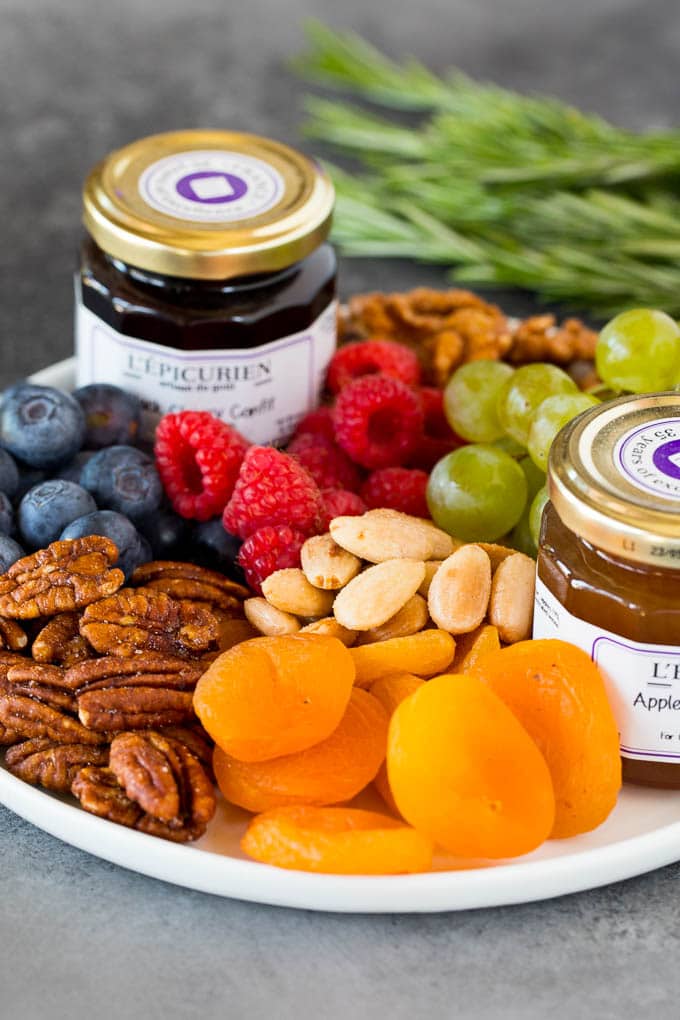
[[397, 488], [317, 423], [329, 466], [267, 550], [378, 421], [198, 458], [368, 357], [439, 438], [272, 488], [340, 503]]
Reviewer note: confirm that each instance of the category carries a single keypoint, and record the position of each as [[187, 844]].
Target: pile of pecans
[[97, 679]]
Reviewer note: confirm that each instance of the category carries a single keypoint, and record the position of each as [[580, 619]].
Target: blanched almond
[[269, 620], [326, 565], [442, 543], [330, 627], [381, 535], [431, 568], [496, 553], [511, 607], [459, 593], [410, 619], [375, 595], [290, 591]]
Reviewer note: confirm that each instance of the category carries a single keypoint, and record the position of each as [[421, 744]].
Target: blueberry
[[132, 548], [28, 477], [9, 474], [40, 425], [212, 546], [166, 533], [111, 415], [124, 479], [73, 470], [6, 515], [10, 552], [47, 508]]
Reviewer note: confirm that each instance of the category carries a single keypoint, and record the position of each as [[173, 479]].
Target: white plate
[[642, 833]]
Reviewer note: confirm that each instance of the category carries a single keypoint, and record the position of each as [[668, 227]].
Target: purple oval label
[[649, 457], [209, 187]]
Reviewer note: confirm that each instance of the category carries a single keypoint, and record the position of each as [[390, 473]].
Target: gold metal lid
[[208, 204], [614, 477]]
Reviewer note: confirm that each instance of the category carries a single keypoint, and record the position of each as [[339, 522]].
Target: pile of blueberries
[[72, 465]]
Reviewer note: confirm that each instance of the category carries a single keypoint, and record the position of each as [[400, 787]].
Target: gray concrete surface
[[79, 937]]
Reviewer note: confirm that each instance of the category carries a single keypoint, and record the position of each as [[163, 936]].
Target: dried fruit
[[424, 654], [141, 619], [390, 692], [472, 647]]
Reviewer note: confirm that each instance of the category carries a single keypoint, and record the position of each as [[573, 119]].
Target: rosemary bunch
[[509, 190]]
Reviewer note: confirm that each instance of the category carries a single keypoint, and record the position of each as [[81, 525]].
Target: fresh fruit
[[378, 421], [167, 534], [267, 550], [124, 479], [112, 415], [330, 772], [47, 508], [317, 423], [275, 696], [534, 475], [368, 357], [6, 515], [464, 771], [198, 458], [471, 397], [477, 493], [329, 466], [9, 474], [438, 438], [424, 654], [398, 488], [639, 351], [10, 552], [524, 391], [272, 488], [40, 425], [339, 503], [550, 416], [120, 529], [536, 513], [212, 546], [73, 469], [337, 841], [558, 695]]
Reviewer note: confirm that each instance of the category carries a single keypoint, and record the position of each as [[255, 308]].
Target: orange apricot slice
[[338, 841], [559, 696], [332, 771], [425, 654], [275, 695], [465, 772], [472, 647], [390, 692]]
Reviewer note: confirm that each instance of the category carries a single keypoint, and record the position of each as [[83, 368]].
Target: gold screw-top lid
[[208, 204], [614, 477]]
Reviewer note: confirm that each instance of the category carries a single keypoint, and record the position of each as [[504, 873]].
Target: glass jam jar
[[206, 281], [609, 568]]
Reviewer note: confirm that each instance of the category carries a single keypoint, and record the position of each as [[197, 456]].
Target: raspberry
[[329, 466], [439, 438], [368, 357], [272, 488], [340, 503], [397, 488], [378, 421], [317, 423], [269, 549], [198, 458]]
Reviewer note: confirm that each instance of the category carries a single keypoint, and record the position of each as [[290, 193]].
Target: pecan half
[[195, 739], [153, 669], [133, 708], [43, 682], [100, 793], [540, 338], [60, 641], [30, 718], [12, 636], [65, 576], [165, 570], [43, 762], [140, 619]]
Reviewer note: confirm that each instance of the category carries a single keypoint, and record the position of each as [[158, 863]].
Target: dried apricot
[[275, 695], [470, 648], [466, 773], [338, 841], [390, 692], [558, 695], [424, 654], [332, 771]]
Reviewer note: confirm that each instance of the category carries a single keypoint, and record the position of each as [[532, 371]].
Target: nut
[[459, 593], [331, 628], [411, 618], [60, 642], [431, 568], [290, 591], [140, 619], [382, 535], [164, 570], [496, 553], [12, 636], [269, 620], [195, 739], [511, 606], [43, 762], [133, 708], [30, 718], [65, 576], [150, 670], [375, 595], [100, 793], [326, 565], [42, 682], [442, 543]]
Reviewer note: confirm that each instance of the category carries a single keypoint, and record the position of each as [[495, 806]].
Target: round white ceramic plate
[[642, 833]]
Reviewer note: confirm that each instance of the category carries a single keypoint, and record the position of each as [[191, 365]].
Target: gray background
[[79, 936]]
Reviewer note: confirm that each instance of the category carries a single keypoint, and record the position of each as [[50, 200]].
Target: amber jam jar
[[609, 568], [206, 281]]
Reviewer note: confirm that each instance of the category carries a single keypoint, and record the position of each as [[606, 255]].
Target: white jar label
[[262, 391], [642, 680]]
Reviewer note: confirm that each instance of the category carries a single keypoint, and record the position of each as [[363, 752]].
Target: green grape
[[534, 476], [549, 418], [521, 537], [536, 513], [470, 399], [521, 395], [511, 447], [477, 493], [639, 351]]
